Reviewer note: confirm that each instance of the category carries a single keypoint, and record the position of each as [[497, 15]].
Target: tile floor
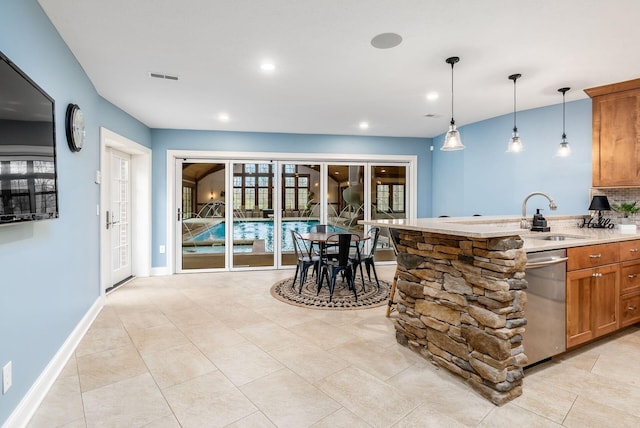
[[209, 350]]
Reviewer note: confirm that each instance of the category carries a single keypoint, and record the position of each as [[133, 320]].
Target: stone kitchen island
[[461, 300]]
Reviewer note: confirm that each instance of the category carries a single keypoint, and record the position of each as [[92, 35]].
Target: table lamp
[[600, 203]]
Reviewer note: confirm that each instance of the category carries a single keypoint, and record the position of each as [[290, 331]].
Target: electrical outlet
[[6, 377]]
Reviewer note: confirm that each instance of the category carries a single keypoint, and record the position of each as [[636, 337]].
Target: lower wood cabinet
[[592, 303], [629, 309]]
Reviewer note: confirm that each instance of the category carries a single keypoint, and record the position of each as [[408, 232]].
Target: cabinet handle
[[596, 274], [595, 256], [633, 250], [633, 275], [632, 308]]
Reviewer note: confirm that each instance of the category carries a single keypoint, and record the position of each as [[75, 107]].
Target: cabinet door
[[579, 313], [592, 303], [604, 298], [616, 145], [629, 309], [630, 277]]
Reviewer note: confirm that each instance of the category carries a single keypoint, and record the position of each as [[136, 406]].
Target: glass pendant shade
[[452, 140], [564, 150], [515, 144]]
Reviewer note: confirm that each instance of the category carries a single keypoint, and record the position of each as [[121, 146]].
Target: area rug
[[369, 296]]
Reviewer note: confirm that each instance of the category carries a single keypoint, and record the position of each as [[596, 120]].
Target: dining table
[[324, 239]]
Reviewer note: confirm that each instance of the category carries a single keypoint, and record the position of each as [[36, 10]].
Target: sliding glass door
[[388, 200]]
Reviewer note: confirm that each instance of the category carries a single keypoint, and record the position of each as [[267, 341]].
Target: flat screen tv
[[28, 179]]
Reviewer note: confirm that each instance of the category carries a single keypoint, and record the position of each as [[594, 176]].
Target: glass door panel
[[388, 201], [253, 215], [345, 197], [300, 198], [203, 216]]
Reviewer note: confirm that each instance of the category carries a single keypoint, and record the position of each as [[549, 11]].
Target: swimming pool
[[212, 239]]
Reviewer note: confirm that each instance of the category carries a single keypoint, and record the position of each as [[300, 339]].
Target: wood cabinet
[[630, 283], [592, 303], [593, 292], [616, 134]]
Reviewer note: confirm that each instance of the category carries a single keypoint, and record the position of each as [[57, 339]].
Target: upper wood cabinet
[[616, 134]]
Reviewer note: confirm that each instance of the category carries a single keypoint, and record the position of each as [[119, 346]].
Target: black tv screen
[[28, 179]]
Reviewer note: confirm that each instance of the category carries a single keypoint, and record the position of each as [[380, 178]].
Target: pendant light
[[515, 145], [452, 140], [564, 150]]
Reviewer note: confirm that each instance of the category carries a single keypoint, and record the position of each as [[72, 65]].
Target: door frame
[[221, 156], [140, 169]]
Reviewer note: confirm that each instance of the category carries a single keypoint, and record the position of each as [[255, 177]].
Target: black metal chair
[[305, 259], [329, 248], [341, 264], [368, 260]]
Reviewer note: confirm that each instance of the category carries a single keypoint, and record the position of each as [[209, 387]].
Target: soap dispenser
[[539, 222]]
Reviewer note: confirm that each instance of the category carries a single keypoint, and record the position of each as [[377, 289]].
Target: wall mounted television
[[28, 177]]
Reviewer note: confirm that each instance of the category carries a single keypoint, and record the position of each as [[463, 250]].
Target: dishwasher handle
[[546, 262]]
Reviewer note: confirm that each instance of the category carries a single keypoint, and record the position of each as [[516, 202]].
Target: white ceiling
[[328, 77]]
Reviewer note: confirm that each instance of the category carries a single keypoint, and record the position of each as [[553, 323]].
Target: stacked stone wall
[[461, 305]]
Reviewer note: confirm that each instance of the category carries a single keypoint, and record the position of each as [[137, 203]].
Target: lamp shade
[[600, 203]]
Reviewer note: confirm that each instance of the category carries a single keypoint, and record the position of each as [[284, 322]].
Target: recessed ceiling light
[[223, 117], [386, 40], [364, 125], [267, 66], [432, 96]]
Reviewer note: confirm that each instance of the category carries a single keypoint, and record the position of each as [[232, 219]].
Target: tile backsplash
[[616, 197]]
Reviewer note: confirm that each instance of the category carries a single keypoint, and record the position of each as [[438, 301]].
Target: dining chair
[[341, 264], [305, 260], [395, 240], [329, 248], [368, 259]]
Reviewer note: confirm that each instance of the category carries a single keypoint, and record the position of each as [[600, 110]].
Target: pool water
[[247, 231]]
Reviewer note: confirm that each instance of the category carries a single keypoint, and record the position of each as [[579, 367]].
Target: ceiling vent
[[163, 76]]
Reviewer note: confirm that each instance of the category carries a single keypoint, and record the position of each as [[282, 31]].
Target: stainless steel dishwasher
[[545, 310]]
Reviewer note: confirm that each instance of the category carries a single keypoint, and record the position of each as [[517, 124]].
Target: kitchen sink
[[553, 237]]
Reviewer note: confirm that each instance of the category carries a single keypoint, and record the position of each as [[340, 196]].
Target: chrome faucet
[[524, 223]]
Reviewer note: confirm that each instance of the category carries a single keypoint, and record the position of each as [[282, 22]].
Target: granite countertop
[[494, 227]]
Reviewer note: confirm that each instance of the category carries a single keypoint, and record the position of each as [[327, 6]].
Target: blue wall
[[164, 140], [484, 179], [49, 271]]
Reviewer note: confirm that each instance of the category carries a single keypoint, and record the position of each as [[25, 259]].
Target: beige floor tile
[[270, 336], [309, 361], [587, 413], [103, 368], [510, 415], [191, 316], [243, 363], [100, 339], [61, 406], [130, 403], [341, 419], [426, 417], [169, 421], [324, 335], [144, 319], [254, 420], [157, 338], [288, 400], [208, 401], [378, 361], [381, 405], [107, 317], [176, 365], [544, 399], [443, 392]]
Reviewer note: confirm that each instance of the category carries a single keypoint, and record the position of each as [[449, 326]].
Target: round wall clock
[[75, 127]]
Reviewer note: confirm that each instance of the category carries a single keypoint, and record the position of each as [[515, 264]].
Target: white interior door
[[118, 219]]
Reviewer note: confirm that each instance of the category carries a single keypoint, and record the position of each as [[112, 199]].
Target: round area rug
[[368, 297]]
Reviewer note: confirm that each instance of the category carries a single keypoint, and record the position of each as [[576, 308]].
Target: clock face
[[75, 127]]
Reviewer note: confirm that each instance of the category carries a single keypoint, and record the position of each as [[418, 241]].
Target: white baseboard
[[22, 414], [160, 271]]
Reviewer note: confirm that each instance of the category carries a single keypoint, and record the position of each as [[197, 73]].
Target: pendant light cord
[[564, 134], [515, 128], [452, 121]]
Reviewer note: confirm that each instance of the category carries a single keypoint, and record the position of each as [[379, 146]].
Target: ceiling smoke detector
[[163, 76]]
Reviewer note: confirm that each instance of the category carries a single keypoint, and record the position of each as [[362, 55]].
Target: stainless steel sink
[[553, 237]]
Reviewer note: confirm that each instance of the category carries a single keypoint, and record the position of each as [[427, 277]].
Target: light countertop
[[495, 227]]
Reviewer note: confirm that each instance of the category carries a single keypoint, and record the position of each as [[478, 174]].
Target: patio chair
[[341, 264], [305, 260]]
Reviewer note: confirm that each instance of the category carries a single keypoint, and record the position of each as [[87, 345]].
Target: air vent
[[163, 76], [431, 115]]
